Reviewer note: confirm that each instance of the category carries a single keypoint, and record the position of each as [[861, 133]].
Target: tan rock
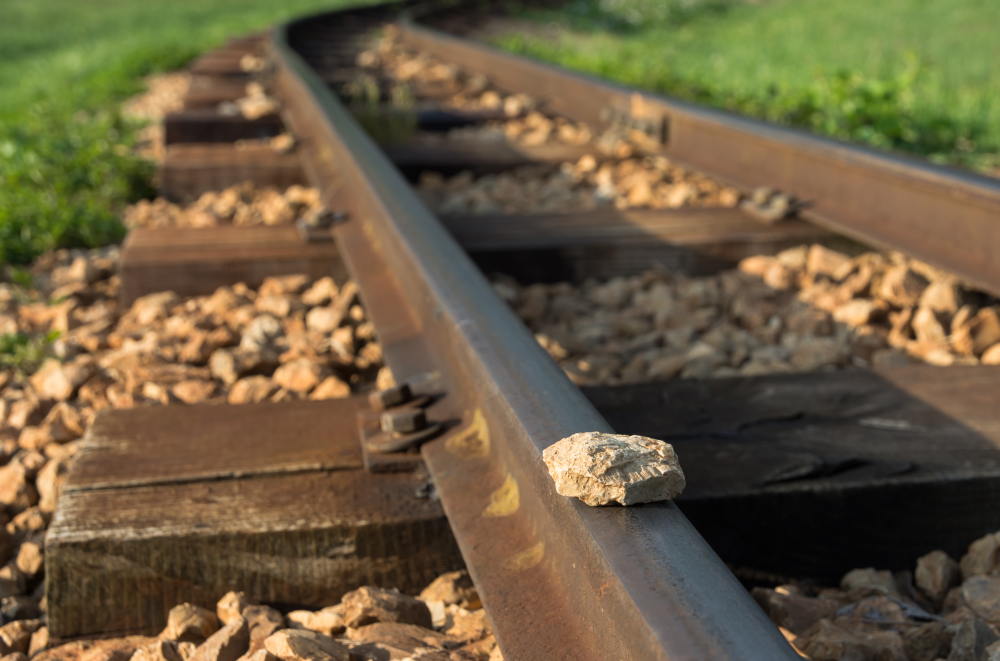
[[300, 375], [902, 286], [263, 621], [230, 607], [190, 623], [826, 262], [331, 388], [228, 365], [320, 292], [466, 625], [222, 301], [397, 641], [983, 556], [24, 411], [936, 574], [59, 381], [869, 581], [972, 334], [756, 264], [779, 276], [982, 595], [80, 270], [281, 285], [34, 438], [160, 650], [151, 307], [251, 389], [64, 423], [985, 329], [328, 621], [323, 319], [277, 305], [40, 641], [599, 468], [30, 520], [971, 638], [480, 650], [261, 333], [227, 644], [260, 654], [370, 604], [305, 645], [857, 312], [30, 558], [991, 356], [453, 588], [343, 343], [928, 328], [49, 482], [941, 296], [109, 649], [16, 636], [16, 490], [193, 391]]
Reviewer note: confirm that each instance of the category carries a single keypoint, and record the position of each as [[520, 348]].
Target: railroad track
[[561, 580]]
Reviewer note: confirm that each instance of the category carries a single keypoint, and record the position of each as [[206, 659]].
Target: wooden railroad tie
[[197, 261], [604, 243], [208, 125], [184, 503], [810, 475], [207, 92], [188, 170]]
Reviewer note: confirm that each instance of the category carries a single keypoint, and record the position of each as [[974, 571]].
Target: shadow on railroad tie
[[608, 242], [811, 475]]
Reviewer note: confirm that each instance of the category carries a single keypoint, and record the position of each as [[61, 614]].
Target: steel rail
[[560, 580], [947, 217]]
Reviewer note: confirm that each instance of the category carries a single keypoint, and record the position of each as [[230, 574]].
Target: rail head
[[559, 579]]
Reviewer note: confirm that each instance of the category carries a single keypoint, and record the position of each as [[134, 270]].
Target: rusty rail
[[560, 580], [945, 216]]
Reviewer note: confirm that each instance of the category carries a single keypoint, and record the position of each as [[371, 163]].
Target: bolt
[[324, 218], [385, 399], [403, 421]]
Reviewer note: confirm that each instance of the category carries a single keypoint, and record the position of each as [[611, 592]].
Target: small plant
[[23, 353], [65, 187]]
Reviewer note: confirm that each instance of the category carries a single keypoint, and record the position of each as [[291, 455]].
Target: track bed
[[542, 254]]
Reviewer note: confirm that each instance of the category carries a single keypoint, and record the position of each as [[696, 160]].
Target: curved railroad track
[[559, 579]]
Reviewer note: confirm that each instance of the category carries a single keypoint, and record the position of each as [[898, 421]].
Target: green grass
[[911, 75], [23, 353], [65, 65]]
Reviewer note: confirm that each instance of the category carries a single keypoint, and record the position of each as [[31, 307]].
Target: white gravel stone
[[599, 468]]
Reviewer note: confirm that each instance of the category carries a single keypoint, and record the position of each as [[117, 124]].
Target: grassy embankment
[[65, 65], [911, 75]]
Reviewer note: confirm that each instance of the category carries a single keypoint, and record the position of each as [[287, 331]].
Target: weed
[[23, 353]]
